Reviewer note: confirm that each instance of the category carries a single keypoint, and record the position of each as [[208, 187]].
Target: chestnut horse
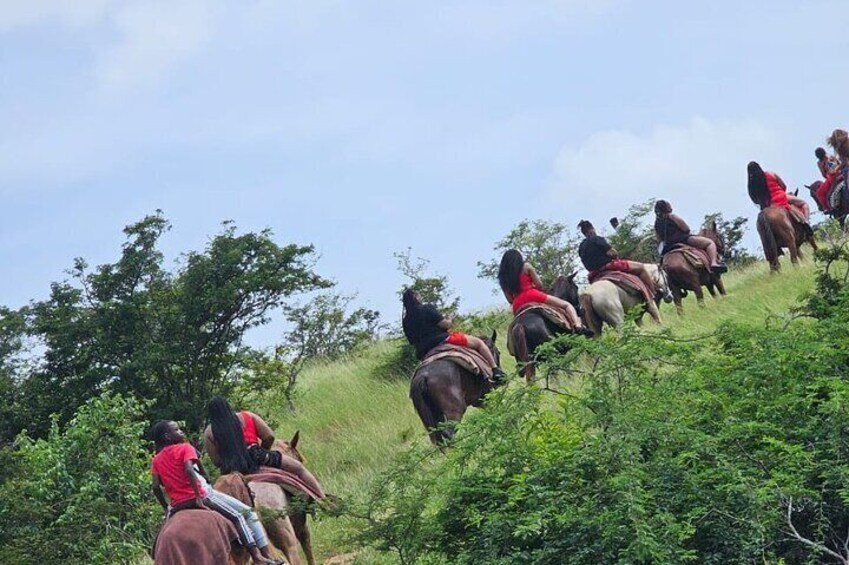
[[682, 276], [442, 391], [285, 527], [778, 230]]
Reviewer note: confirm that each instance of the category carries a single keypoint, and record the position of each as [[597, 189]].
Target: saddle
[[553, 315], [631, 284], [696, 257], [467, 359]]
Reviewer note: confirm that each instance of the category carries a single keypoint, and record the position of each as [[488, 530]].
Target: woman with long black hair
[[241, 442], [521, 286]]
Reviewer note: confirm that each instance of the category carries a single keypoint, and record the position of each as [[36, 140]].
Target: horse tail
[[421, 402], [520, 347], [591, 317], [767, 238]]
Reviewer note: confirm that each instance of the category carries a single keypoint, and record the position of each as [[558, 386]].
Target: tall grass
[[352, 421]]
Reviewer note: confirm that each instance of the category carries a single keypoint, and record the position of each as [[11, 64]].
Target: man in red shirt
[[174, 472]]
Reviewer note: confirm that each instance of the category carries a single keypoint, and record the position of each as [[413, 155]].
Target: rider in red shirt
[[768, 185], [829, 169]]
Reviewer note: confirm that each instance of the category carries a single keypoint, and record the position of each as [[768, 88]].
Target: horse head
[[658, 276], [566, 288], [814, 186], [490, 343], [290, 447], [712, 232]]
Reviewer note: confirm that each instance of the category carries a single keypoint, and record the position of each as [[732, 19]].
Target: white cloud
[[71, 13], [699, 167], [155, 37]]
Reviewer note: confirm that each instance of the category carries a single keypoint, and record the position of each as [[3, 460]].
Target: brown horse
[[682, 276], [778, 230], [441, 392], [285, 528]]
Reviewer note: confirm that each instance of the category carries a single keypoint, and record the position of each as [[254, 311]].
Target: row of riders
[[456, 370]]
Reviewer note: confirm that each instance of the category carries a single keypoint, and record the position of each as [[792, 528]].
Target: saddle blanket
[[627, 282], [194, 537], [466, 358], [553, 315], [697, 258], [290, 482]]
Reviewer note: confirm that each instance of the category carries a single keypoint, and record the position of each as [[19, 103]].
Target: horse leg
[[720, 286], [700, 295], [271, 498], [449, 397], [302, 532]]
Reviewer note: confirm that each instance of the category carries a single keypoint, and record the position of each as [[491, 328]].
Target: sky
[[369, 127]]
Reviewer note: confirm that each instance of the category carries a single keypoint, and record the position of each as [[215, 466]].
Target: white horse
[[604, 301]]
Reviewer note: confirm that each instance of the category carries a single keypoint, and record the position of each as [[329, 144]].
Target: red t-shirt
[[249, 428], [168, 465], [777, 194]]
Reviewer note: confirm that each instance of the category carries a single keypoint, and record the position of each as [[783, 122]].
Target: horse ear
[[713, 226], [796, 192], [572, 276], [494, 336], [294, 441]]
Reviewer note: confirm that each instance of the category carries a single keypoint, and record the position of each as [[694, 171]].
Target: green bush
[[729, 448], [82, 494]]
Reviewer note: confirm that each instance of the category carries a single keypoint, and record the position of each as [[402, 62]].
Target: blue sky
[[369, 127]]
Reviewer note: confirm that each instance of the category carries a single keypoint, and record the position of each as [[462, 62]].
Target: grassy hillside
[[352, 422]]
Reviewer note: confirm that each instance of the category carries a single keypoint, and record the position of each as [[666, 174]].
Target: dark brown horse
[[535, 329], [683, 277], [778, 230], [842, 211], [441, 392]]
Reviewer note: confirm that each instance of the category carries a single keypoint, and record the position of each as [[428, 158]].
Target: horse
[[842, 211], [778, 230], [604, 301], [535, 329], [285, 528], [682, 276], [441, 392]]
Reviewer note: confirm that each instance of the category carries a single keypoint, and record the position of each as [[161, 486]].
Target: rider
[[671, 230], [177, 470], [521, 285], [242, 442], [829, 168], [597, 256], [425, 328], [768, 183]]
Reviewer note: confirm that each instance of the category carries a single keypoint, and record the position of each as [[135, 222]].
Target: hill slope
[[352, 421]]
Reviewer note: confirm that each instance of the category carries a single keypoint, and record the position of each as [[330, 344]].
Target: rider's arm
[[189, 469], [156, 487], [263, 431], [534, 276], [445, 324], [210, 446]]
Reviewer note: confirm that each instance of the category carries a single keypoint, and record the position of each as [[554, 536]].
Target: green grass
[[353, 421]]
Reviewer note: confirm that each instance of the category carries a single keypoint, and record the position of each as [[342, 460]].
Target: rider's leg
[[571, 313], [651, 307], [292, 465], [478, 345], [640, 270], [800, 204], [707, 245], [821, 195]]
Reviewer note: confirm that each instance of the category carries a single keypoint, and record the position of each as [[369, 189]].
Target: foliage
[[321, 329], [729, 447], [548, 246], [732, 232], [132, 327], [81, 495], [634, 236], [433, 288]]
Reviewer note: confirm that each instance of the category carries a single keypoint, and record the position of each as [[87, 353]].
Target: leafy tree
[[322, 329], [433, 288], [82, 494], [132, 327], [549, 246], [634, 236], [732, 232]]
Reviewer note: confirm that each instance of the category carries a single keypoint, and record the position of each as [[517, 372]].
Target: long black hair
[[227, 430], [758, 191], [509, 271]]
